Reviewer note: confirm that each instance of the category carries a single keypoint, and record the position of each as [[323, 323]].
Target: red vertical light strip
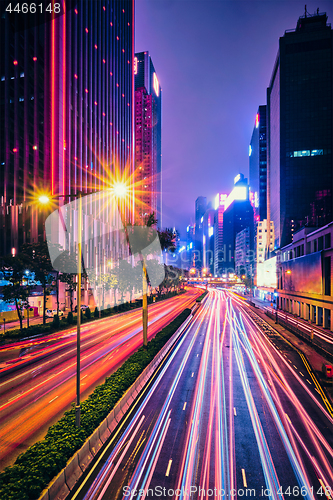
[[52, 101], [64, 98]]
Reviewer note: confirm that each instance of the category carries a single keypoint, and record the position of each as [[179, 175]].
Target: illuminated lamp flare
[[288, 271], [44, 199], [119, 190]]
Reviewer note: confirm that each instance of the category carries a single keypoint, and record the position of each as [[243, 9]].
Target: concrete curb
[[63, 483]]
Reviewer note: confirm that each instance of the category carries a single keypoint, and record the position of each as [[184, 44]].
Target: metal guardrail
[[307, 332]]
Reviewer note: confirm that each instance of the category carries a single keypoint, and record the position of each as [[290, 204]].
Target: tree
[[13, 271], [39, 257]]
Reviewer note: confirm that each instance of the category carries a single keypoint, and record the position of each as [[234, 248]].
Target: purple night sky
[[214, 60]]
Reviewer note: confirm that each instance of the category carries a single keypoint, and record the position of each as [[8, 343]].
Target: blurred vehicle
[[52, 312], [83, 307]]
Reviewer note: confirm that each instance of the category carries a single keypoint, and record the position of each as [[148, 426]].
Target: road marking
[[184, 406], [169, 465], [192, 374], [235, 413], [53, 399], [301, 374], [325, 488], [295, 367], [287, 417], [244, 478], [308, 381], [12, 399], [84, 377], [290, 361]]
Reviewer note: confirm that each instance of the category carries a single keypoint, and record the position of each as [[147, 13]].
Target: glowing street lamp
[[44, 199]]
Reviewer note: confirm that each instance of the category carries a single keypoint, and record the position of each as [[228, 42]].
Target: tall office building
[[66, 120], [148, 174], [258, 165], [300, 118], [200, 210], [238, 215], [220, 200]]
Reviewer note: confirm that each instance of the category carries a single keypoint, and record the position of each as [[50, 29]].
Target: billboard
[[303, 274], [266, 273]]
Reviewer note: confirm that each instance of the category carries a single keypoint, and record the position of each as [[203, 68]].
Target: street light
[[45, 199]]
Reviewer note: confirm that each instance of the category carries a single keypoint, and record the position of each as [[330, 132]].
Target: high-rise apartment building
[[66, 109], [299, 132], [148, 174], [258, 165]]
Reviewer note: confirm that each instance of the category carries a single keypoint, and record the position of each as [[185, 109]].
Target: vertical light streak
[[53, 101], [64, 95]]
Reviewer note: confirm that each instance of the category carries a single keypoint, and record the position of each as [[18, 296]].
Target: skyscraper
[[238, 215], [66, 120], [200, 209], [148, 174], [258, 165], [299, 100]]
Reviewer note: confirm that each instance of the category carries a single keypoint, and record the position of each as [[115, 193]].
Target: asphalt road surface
[[233, 411], [37, 377]]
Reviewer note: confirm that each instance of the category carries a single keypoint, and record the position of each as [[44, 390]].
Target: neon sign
[[156, 85], [135, 65], [257, 120]]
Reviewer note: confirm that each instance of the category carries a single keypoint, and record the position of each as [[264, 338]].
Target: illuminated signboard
[[266, 273], [219, 199], [210, 231], [257, 120], [135, 65], [237, 178], [238, 193], [156, 85]]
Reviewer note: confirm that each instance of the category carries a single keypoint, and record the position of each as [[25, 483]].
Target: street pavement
[[232, 411]]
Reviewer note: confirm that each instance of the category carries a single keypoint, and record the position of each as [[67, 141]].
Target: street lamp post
[[44, 199], [119, 190]]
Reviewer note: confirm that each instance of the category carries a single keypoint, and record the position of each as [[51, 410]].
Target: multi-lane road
[[37, 377], [233, 411]]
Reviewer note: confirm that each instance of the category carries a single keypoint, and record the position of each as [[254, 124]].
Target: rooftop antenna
[[318, 11], [305, 11]]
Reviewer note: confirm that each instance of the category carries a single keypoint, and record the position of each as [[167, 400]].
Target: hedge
[[35, 468], [199, 299]]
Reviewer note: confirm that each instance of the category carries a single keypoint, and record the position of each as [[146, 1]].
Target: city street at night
[[227, 411], [166, 250]]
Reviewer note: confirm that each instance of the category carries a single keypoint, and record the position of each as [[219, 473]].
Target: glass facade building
[[148, 173], [258, 165], [299, 100], [66, 110]]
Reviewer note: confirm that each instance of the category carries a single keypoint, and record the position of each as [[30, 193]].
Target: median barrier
[[59, 487], [72, 472], [111, 421], [85, 456], [94, 442], [104, 431]]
